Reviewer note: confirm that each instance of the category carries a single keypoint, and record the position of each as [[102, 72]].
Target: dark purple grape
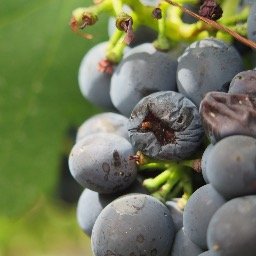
[[142, 71], [225, 114], [104, 122], [101, 163], [206, 65], [132, 225], [198, 212], [232, 229], [91, 203], [183, 246], [165, 125], [244, 83], [231, 166], [94, 84]]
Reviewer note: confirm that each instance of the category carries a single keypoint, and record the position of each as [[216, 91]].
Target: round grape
[[101, 163]]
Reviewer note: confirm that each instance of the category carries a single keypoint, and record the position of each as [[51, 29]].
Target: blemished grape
[[128, 226], [251, 23], [165, 125], [206, 65], [231, 166], [94, 84], [225, 114], [104, 122], [201, 206], [231, 231], [101, 163], [204, 161], [142, 71], [244, 82], [91, 203], [183, 246]]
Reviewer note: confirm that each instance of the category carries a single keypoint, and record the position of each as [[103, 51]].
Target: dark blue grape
[[142, 71], [198, 212], [183, 246], [165, 125], [206, 65], [101, 163], [244, 82], [231, 166], [134, 224], [104, 122], [232, 229], [91, 203], [94, 84]]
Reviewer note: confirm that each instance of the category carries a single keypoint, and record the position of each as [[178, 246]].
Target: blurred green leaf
[[39, 95]]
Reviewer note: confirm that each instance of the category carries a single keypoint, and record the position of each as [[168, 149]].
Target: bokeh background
[[40, 110]]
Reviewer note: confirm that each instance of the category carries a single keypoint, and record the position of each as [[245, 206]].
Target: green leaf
[[39, 95]]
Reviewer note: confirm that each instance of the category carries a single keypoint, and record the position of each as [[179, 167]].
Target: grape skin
[[101, 163], [205, 66], [142, 71], [94, 84], [183, 246], [128, 226], [89, 206], [174, 112], [231, 231], [204, 161], [176, 213], [91, 203], [244, 82], [201, 206], [104, 122], [231, 166]]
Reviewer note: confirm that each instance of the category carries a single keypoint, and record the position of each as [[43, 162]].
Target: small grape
[[104, 122], [183, 246]]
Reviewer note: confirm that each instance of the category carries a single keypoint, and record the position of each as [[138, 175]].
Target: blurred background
[[40, 109]]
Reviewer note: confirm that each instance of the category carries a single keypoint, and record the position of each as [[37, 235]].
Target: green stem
[[153, 184]]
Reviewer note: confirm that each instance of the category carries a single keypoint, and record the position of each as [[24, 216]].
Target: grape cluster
[[169, 169]]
